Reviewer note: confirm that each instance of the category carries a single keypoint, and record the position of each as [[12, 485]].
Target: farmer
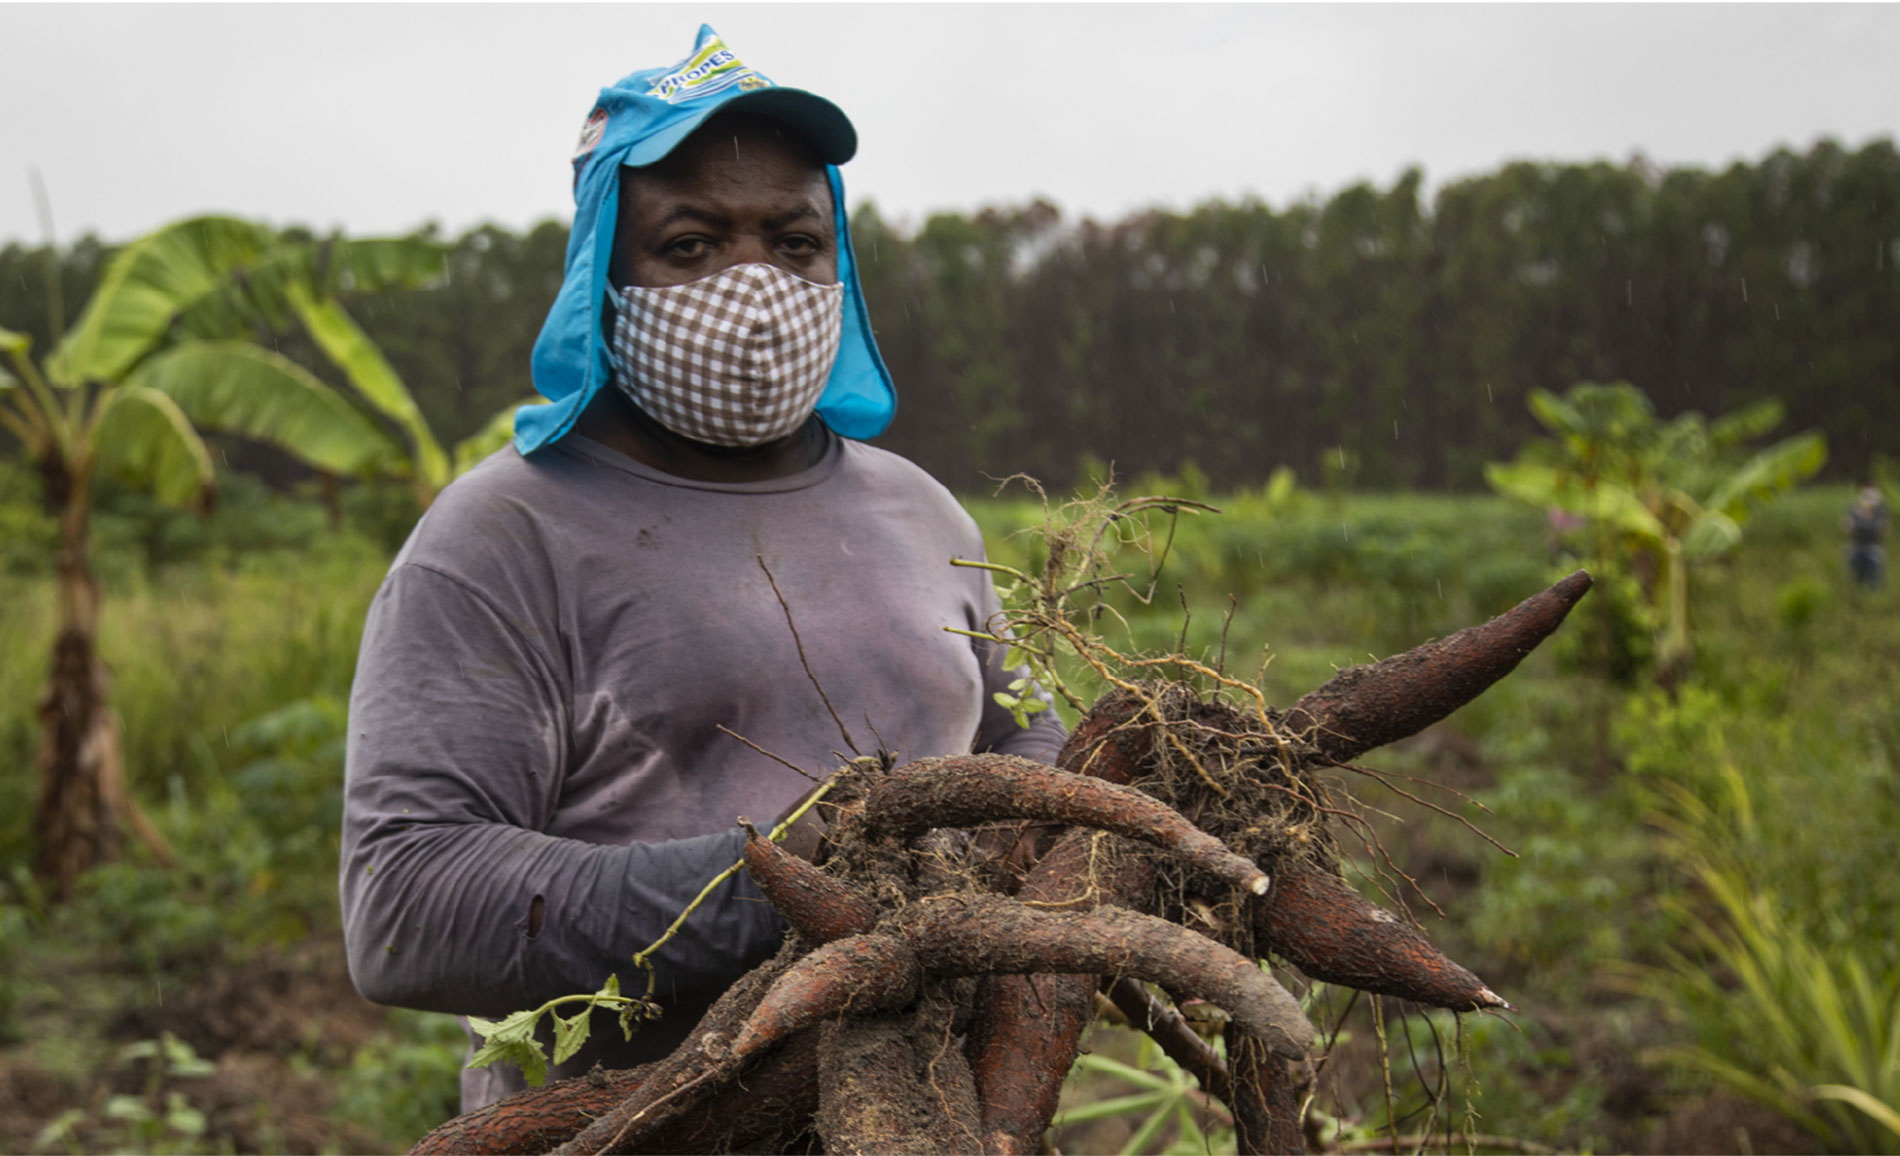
[[574, 672], [1865, 525]]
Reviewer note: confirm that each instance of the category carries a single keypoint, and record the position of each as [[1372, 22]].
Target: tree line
[[1373, 337]]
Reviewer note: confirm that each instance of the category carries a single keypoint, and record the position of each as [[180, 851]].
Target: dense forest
[[1372, 337]]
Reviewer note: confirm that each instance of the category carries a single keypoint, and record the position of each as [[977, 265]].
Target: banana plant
[[171, 346], [1657, 496], [220, 287]]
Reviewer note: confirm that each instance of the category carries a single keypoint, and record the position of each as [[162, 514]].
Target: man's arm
[[454, 769]]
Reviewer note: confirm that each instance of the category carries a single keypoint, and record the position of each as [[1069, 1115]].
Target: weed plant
[[1790, 1005]]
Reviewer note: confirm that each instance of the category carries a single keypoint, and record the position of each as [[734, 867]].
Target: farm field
[[205, 1008]]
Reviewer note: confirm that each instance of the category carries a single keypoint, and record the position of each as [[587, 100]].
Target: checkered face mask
[[735, 359]]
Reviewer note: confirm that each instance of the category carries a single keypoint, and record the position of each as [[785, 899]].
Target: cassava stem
[[1170, 1031], [534, 1120], [776, 1109], [694, 1062]]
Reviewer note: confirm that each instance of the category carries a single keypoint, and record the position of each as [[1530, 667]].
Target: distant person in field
[[1866, 526], [539, 775]]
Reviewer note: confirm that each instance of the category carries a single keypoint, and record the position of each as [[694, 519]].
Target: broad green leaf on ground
[[11, 342], [182, 268], [236, 387], [351, 350], [144, 437]]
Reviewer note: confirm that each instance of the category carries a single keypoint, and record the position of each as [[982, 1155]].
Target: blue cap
[[637, 122]]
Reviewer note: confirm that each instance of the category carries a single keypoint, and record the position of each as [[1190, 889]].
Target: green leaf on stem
[[570, 1032], [511, 1039]]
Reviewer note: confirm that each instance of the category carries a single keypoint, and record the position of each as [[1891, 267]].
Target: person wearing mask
[[574, 670]]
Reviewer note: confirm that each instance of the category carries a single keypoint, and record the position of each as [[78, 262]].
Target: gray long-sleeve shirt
[[538, 700]]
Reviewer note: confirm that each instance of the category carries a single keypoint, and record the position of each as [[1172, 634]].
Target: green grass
[[231, 645]]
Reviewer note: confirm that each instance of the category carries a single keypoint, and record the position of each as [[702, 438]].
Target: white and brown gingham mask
[[735, 359]]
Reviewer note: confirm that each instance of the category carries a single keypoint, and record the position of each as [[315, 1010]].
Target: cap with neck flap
[[636, 122]]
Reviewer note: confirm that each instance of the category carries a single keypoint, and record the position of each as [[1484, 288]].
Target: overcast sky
[[377, 118]]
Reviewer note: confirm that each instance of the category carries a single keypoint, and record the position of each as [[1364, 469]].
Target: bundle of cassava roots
[[969, 914]]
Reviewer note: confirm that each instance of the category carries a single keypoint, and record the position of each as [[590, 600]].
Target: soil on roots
[[1238, 774]]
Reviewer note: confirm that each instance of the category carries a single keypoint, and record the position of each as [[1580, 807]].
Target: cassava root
[[970, 789], [990, 935], [821, 907], [864, 974], [1027, 1029], [1323, 927], [865, 1041], [1364, 707]]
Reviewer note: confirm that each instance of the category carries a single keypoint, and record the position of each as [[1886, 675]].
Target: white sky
[[377, 118]]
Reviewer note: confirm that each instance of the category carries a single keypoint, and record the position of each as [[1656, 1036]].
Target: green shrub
[[1798, 604], [1783, 968], [1574, 896], [405, 1083], [1788, 1005]]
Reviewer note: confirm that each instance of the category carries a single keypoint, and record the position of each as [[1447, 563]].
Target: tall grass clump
[[1800, 1017], [1785, 974]]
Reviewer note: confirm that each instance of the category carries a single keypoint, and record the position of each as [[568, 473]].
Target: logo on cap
[[591, 132], [712, 69]]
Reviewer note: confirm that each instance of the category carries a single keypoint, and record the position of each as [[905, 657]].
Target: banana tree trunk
[[77, 823], [332, 499], [1674, 653], [83, 801]]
